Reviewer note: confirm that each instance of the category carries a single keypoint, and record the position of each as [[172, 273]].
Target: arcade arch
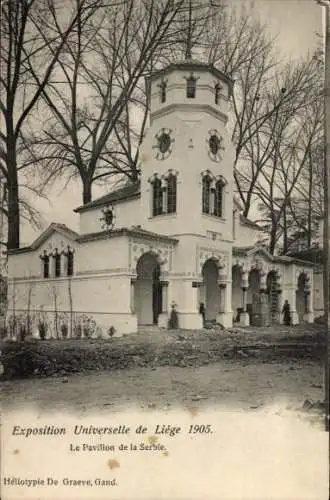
[[301, 296], [148, 289], [210, 292]]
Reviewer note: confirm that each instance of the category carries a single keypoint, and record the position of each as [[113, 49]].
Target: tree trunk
[[310, 204], [12, 198], [247, 204], [272, 242], [285, 233], [87, 190]]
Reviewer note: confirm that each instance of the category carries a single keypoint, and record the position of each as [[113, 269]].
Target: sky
[[296, 23]]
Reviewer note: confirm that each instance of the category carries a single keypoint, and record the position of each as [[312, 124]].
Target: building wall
[[100, 286], [127, 213], [29, 264], [190, 123], [189, 158], [245, 235], [103, 255], [176, 91]]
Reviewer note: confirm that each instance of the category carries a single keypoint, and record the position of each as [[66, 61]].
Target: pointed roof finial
[[189, 32]]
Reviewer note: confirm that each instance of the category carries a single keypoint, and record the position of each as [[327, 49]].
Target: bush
[[64, 330], [42, 327], [77, 330], [22, 333], [111, 331]]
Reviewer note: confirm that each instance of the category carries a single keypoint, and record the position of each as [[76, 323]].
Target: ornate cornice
[[206, 108]]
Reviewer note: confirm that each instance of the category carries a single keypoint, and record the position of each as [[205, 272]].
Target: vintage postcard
[[164, 253]]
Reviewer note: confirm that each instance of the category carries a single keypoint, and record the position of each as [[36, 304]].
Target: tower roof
[[192, 65]]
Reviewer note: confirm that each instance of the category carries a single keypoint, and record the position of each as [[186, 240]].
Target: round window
[[164, 143], [214, 144]]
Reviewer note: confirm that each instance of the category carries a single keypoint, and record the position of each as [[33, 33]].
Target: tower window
[[171, 194], [218, 198], [157, 208], [206, 194], [191, 87], [45, 259], [70, 263], [57, 261], [217, 93], [163, 87]]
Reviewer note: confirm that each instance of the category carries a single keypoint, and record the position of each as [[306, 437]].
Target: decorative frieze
[[221, 259], [162, 252]]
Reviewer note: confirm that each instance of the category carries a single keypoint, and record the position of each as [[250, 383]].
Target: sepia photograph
[[164, 249]]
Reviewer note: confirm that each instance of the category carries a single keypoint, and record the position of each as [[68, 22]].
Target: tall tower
[[187, 157]]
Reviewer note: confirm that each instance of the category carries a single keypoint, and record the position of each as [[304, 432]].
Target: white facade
[[142, 252]]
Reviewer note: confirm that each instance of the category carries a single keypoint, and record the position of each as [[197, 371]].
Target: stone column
[[132, 296], [293, 305], [164, 192], [309, 315], [263, 281], [42, 260], [165, 297], [244, 317], [212, 198], [163, 316], [279, 299], [61, 264], [310, 311], [225, 316], [151, 200], [189, 317], [65, 262], [52, 264], [222, 298]]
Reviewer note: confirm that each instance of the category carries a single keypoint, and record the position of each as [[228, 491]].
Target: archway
[[301, 297], [236, 292], [148, 290], [273, 297], [211, 296]]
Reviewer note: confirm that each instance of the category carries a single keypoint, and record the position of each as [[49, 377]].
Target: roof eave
[[125, 232], [97, 204], [15, 251], [190, 65]]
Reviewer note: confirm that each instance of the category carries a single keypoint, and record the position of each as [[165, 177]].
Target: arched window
[[191, 87], [45, 259], [163, 87], [70, 263], [157, 208], [218, 198], [206, 194], [171, 194], [57, 262], [217, 93]]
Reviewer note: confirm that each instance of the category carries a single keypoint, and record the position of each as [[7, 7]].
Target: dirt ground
[[230, 384], [239, 383], [255, 406]]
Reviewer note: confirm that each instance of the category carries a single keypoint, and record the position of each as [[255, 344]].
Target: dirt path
[[229, 384]]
